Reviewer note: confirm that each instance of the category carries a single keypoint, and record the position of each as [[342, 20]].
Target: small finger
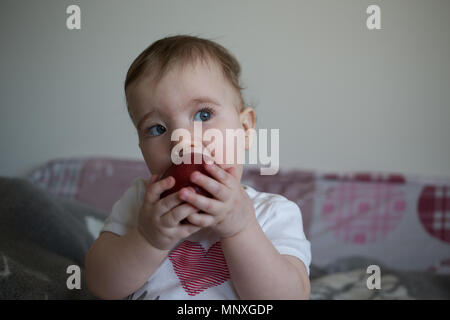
[[202, 220], [169, 202], [176, 215], [211, 185], [155, 189], [187, 229], [203, 203], [232, 171], [153, 178], [219, 174]]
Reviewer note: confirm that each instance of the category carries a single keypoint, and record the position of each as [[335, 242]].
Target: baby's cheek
[[234, 150], [228, 148], [154, 160]]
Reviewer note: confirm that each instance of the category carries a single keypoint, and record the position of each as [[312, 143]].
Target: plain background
[[345, 98]]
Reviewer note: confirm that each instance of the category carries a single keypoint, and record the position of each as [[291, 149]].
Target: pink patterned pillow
[[403, 221], [96, 181]]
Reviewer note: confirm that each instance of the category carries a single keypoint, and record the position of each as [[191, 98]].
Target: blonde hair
[[180, 50]]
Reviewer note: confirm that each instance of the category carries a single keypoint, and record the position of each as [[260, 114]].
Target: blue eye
[[156, 130], [204, 114]]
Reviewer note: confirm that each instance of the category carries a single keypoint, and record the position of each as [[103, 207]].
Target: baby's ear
[[248, 119]]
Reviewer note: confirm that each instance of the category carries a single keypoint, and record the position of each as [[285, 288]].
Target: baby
[[239, 244]]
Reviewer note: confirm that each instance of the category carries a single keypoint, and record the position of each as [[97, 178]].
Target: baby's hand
[[231, 210], [159, 219]]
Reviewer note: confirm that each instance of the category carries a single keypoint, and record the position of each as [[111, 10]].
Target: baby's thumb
[[232, 171], [151, 181], [153, 178]]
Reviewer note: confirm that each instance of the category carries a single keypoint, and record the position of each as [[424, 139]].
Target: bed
[[354, 220]]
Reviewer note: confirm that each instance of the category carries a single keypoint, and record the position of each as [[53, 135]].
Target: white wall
[[343, 97]]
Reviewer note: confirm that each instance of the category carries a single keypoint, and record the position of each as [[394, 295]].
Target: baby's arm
[[117, 266], [259, 271]]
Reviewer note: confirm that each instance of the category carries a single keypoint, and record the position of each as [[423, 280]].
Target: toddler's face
[[198, 92]]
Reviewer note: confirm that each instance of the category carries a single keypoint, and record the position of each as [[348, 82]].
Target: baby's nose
[[189, 146]]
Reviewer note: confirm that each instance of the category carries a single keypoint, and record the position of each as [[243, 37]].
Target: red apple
[[182, 172]]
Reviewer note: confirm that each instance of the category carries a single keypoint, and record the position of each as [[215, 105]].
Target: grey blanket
[[346, 279], [42, 234]]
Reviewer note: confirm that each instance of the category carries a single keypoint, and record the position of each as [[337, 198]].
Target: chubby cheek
[[232, 148], [156, 161]]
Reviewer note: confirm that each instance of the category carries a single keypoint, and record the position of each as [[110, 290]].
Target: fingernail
[[194, 176], [184, 194]]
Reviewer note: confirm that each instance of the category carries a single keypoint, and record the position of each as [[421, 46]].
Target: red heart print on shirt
[[197, 268]]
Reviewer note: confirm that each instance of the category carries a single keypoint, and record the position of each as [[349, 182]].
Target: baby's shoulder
[[135, 192], [266, 202]]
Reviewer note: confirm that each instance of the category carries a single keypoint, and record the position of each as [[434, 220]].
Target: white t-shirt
[[196, 267]]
